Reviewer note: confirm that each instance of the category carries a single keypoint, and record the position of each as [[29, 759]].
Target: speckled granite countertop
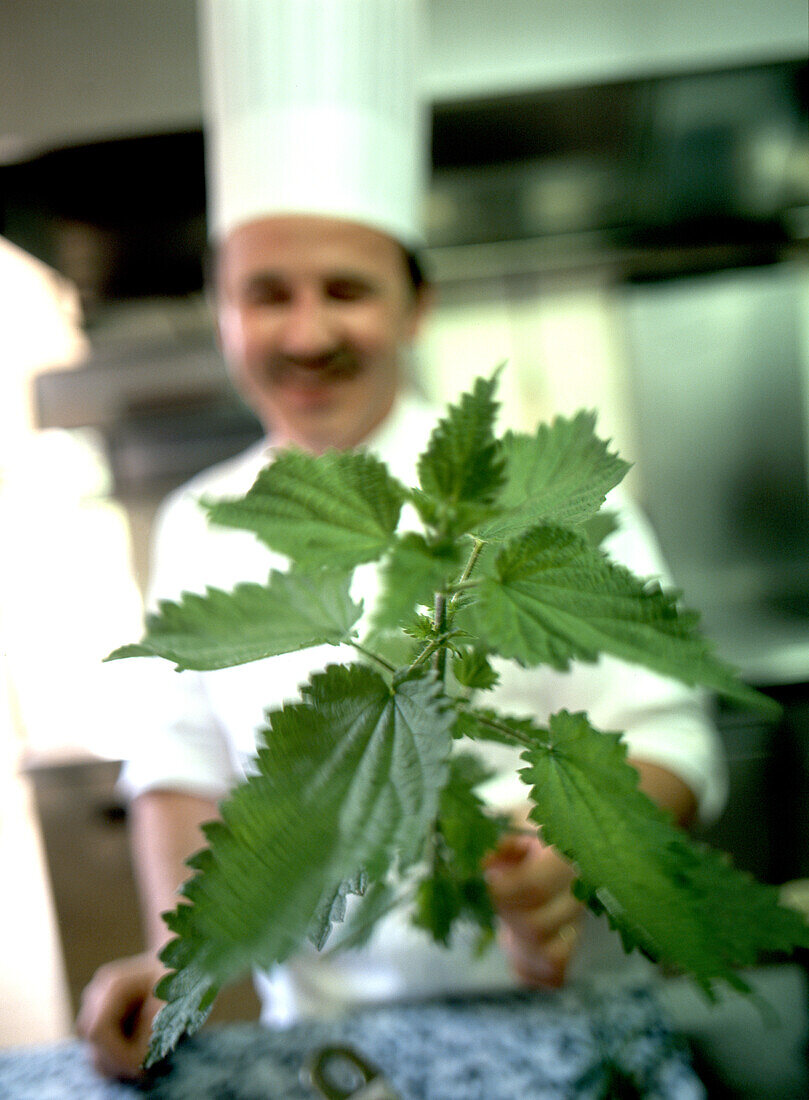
[[516, 1047]]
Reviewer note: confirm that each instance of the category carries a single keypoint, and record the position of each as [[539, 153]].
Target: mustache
[[340, 362]]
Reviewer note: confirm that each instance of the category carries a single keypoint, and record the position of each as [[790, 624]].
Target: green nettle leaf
[[189, 991], [468, 829], [561, 475], [599, 527], [438, 903], [461, 472], [336, 509], [357, 928], [464, 832], [411, 576], [472, 669], [554, 598], [190, 996], [332, 909], [679, 902], [220, 629], [347, 782], [421, 627]]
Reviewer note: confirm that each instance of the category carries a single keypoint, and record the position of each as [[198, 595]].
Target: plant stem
[[464, 578], [425, 654], [440, 623], [429, 650], [473, 557], [500, 727], [373, 656], [443, 613]]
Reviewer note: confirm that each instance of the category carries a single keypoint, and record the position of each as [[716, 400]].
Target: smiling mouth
[[312, 386], [311, 373]]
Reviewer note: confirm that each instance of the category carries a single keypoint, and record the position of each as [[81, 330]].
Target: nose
[[307, 331]]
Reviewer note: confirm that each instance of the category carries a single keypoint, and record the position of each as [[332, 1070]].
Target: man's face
[[313, 313]]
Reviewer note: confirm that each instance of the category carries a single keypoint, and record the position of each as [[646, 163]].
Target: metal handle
[[328, 1063]]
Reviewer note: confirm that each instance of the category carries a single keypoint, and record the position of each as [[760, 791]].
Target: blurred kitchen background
[[619, 207]]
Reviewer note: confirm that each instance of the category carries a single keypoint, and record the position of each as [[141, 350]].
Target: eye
[[348, 290], [265, 291]]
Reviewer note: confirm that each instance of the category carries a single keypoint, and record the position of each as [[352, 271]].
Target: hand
[[116, 1014], [530, 887]]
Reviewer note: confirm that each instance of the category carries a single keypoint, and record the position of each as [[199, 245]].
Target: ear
[[212, 287], [420, 309], [217, 325]]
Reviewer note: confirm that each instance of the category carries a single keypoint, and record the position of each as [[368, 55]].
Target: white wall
[[78, 70]]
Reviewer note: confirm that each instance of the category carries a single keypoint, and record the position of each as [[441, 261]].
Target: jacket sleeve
[[179, 743]]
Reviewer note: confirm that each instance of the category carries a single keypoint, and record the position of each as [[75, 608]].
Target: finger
[[511, 848], [540, 875], [108, 1020], [114, 1067], [545, 965], [142, 1035], [531, 966], [537, 926], [114, 1053], [560, 948], [117, 1057]]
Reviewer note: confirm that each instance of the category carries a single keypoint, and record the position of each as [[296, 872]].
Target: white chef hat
[[314, 106]]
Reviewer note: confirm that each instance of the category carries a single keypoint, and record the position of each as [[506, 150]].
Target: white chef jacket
[[199, 728]]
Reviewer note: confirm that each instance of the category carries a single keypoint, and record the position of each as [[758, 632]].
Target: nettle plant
[[365, 786]]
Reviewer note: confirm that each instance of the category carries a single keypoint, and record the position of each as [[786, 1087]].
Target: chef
[[316, 147]]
